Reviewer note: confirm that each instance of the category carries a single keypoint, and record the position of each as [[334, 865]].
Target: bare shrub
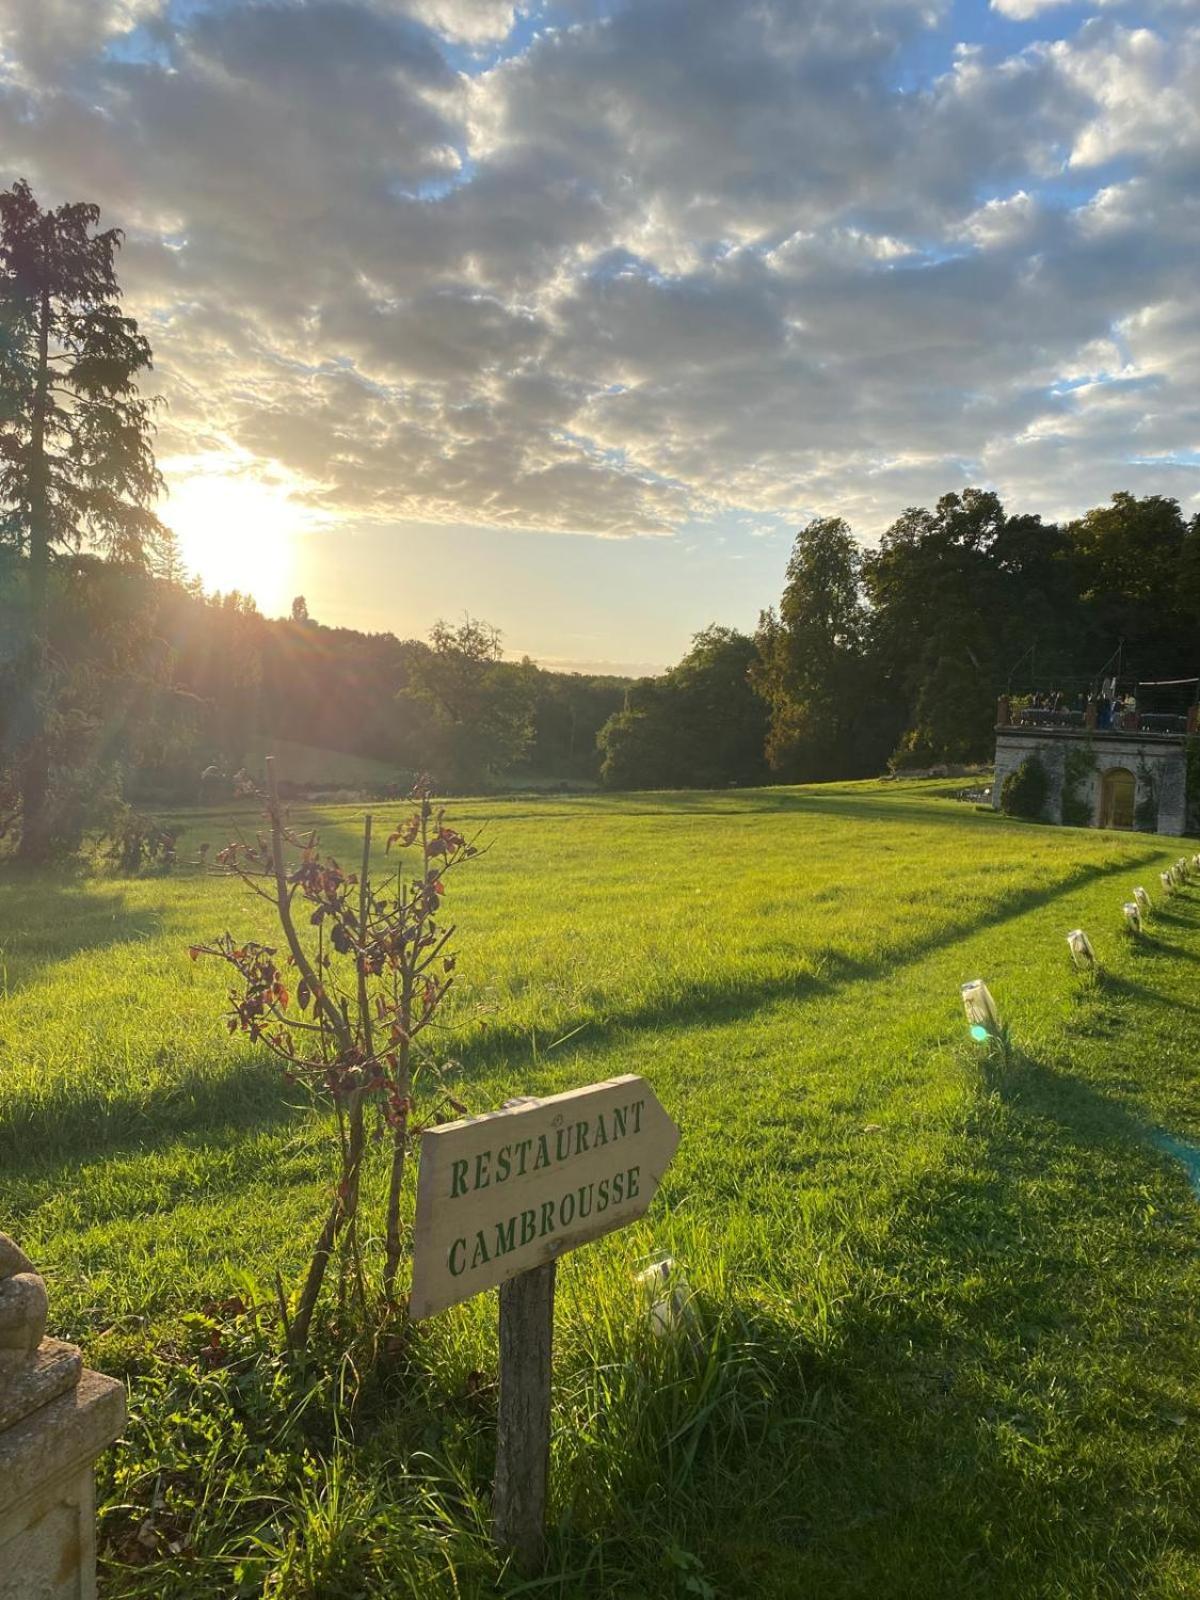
[[364, 969]]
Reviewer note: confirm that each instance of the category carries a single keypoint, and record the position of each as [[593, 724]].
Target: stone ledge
[[61, 1436], [1120, 736], [53, 1368]]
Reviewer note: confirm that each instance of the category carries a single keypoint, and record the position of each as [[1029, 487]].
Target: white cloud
[[1144, 87], [1025, 10], [684, 258], [475, 22], [1031, 10], [999, 223]]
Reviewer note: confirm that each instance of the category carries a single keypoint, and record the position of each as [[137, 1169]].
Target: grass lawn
[[947, 1339]]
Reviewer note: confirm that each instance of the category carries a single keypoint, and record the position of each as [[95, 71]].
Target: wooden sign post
[[499, 1199], [523, 1419]]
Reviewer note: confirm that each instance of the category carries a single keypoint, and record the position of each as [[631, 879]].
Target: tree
[[568, 713], [1025, 789], [76, 464], [947, 597], [480, 704], [1033, 610], [810, 658], [300, 609], [1132, 560], [701, 725], [1189, 573], [231, 680], [114, 708]]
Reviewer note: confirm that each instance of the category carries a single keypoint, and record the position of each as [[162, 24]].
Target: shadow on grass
[[1150, 945], [69, 1126], [46, 919], [1080, 1113], [1147, 996], [993, 1343], [693, 1005], [1157, 946], [1181, 910], [767, 801], [249, 1092]]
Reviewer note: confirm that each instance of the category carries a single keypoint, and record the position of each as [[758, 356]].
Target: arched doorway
[[1117, 788]]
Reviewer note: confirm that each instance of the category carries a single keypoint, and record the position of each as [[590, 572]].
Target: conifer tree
[[77, 468]]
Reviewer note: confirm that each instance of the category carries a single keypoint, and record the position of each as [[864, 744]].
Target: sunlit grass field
[[945, 1337]]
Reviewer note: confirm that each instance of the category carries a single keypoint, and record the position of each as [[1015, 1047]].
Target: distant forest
[[871, 656], [166, 694]]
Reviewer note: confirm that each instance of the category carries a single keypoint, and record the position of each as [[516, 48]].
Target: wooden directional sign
[[503, 1193]]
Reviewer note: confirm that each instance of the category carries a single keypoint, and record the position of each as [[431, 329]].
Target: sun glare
[[237, 531]]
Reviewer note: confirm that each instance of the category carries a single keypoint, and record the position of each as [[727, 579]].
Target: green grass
[[946, 1336]]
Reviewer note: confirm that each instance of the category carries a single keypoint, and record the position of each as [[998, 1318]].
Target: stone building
[[1132, 776]]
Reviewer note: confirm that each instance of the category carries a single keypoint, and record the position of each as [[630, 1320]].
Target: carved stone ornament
[[23, 1306], [33, 1369]]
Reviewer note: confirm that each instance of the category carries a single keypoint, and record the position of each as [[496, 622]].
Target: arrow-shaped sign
[[512, 1190]]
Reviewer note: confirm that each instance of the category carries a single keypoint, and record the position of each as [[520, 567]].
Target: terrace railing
[[1044, 717], [1171, 724]]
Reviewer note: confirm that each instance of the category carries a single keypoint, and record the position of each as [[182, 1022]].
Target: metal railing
[[1045, 717], [1160, 722]]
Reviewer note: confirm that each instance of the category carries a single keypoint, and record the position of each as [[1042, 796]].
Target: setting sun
[[237, 531]]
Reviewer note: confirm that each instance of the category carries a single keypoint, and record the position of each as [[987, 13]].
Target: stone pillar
[[1171, 775], [55, 1419], [1052, 753]]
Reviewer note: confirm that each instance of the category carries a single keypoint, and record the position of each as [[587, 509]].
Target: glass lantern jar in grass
[[1080, 946], [983, 1019]]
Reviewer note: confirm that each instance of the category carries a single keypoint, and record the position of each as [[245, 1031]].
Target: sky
[[568, 315]]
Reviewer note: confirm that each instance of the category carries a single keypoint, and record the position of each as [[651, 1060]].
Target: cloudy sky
[[567, 314]]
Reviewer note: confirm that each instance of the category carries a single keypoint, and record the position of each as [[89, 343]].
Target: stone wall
[[1155, 763]]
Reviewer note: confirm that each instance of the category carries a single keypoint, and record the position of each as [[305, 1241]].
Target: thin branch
[[364, 1004], [328, 1009]]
